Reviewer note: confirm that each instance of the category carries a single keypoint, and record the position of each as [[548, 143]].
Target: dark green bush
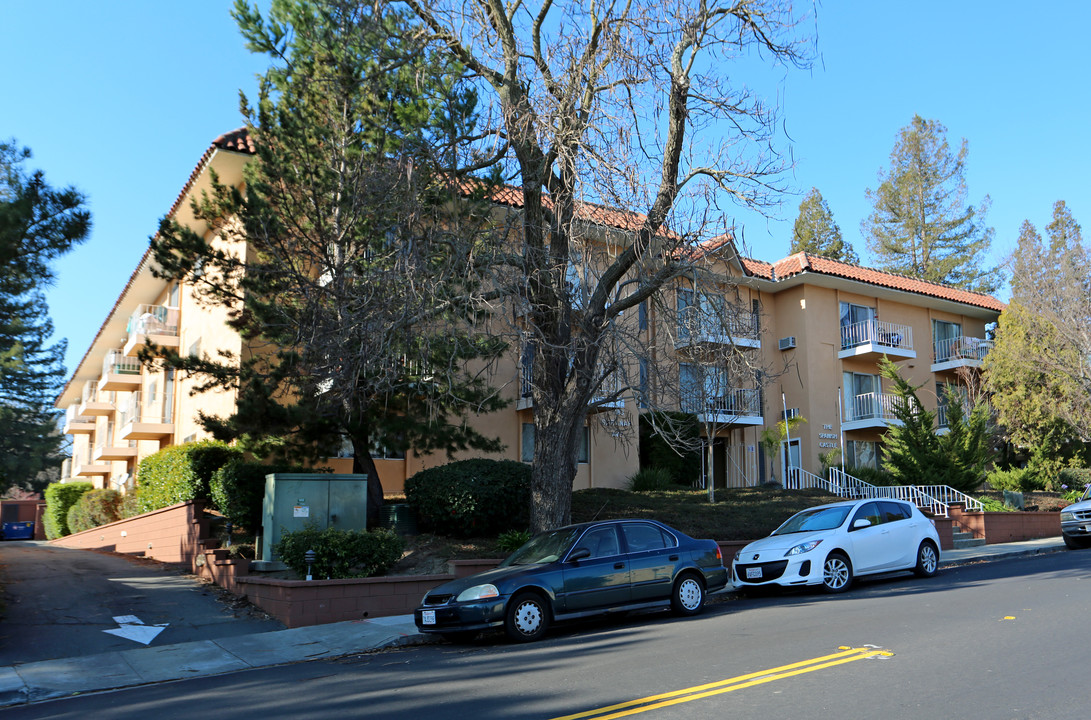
[[180, 473], [59, 497], [471, 498], [873, 476], [238, 490], [651, 478], [94, 508], [340, 553]]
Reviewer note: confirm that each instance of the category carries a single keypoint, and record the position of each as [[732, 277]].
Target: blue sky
[[121, 98]]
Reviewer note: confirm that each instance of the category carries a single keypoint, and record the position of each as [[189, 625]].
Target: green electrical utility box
[[294, 500]]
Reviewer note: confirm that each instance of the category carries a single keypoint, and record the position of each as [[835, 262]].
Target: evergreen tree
[[921, 224], [1037, 370], [816, 232], [356, 295], [37, 224]]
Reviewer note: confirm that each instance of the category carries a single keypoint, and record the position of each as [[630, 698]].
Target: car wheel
[[527, 618], [1074, 543], [836, 573], [927, 560], [688, 596], [462, 636]]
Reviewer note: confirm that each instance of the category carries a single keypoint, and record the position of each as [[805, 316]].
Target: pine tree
[[1037, 370], [357, 295], [816, 232], [37, 224], [921, 224]]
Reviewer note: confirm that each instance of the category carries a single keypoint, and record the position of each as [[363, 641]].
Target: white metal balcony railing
[[109, 442], [91, 394], [72, 415], [116, 363], [695, 326], [136, 411], [941, 416], [961, 348], [871, 406], [153, 320], [66, 469], [877, 332], [735, 402]]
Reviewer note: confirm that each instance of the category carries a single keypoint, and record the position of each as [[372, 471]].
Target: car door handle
[[674, 558], [619, 566]]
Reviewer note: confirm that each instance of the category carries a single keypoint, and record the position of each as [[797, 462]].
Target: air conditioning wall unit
[[787, 343]]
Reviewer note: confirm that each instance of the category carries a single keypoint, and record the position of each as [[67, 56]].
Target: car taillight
[[719, 555]]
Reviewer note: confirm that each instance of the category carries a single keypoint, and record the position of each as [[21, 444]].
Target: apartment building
[[801, 336]]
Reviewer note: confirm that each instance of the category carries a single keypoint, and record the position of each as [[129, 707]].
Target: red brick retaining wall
[[172, 534]]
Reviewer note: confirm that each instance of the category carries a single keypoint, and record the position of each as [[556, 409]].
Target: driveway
[[61, 603]]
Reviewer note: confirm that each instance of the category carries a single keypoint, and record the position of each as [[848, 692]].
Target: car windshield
[[544, 548], [815, 519]]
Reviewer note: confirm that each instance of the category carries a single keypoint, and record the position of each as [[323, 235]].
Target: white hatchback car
[[831, 544]]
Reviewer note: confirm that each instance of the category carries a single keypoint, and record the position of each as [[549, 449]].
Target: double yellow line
[[653, 702]]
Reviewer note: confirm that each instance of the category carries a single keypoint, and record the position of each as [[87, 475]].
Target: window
[[642, 394], [642, 315], [861, 454], [862, 396], [585, 445], [893, 511], [528, 442], [857, 323], [173, 295], [945, 337], [601, 541], [869, 511], [641, 537], [195, 348], [153, 390]]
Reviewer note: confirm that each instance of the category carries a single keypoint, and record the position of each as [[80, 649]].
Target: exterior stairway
[[964, 539]]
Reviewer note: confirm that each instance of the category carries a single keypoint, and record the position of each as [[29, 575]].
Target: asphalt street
[[62, 603]]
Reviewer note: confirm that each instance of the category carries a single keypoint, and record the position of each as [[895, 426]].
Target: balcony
[[91, 469], [870, 410], [119, 372], [739, 406], [699, 331], [874, 337], [151, 324], [144, 421], [958, 352], [77, 424], [94, 403], [115, 450]]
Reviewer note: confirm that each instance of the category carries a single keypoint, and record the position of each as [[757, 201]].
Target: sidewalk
[[37, 681]]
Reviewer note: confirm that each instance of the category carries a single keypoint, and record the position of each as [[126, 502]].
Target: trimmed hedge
[[94, 508], [180, 473], [340, 553], [471, 498], [59, 497], [238, 489]]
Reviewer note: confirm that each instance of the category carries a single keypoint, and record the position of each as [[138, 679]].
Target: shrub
[[94, 508], [59, 497], [238, 490], [871, 475], [340, 553], [471, 498], [512, 540], [130, 505], [1074, 482], [650, 478], [180, 473], [1017, 479]]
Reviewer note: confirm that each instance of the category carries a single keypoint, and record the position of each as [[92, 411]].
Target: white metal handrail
[[878, 332], [848, 486], [799, 479], [962, 348], [949, 496]]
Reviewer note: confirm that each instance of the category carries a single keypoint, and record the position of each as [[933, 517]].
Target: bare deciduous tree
[[618, 104]]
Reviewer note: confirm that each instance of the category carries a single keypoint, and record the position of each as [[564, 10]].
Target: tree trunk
[[555, 453], [363, 464]]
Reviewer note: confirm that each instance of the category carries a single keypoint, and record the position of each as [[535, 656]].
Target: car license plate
[[753, 573], [428, 617]]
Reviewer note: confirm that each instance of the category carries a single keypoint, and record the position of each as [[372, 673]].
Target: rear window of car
[[641, 537], [895, 511]]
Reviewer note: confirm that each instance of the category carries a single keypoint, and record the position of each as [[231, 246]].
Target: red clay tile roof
[[805, 262]]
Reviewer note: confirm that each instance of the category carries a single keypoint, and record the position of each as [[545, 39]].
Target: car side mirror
[[579, 554], [861, 523]]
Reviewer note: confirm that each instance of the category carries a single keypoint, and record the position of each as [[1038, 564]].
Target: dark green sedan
[[574, 572]]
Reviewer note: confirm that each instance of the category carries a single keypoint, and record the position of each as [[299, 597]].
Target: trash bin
[[19, 530]]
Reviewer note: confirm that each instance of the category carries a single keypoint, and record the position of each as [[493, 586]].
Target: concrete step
[[960, 544]]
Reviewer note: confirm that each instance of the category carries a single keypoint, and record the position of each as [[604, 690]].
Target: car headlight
[[803, 547], [478, 592], [738, 554], [1067, 517]]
